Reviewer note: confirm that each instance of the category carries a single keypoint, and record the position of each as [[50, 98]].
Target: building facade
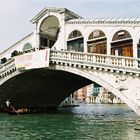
[[94, 93]]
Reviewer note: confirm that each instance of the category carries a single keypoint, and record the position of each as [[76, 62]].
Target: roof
[[69, 14], [105, 20]]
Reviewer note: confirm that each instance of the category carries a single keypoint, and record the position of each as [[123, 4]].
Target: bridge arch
[[102, 79], [122, 43], [97, 42], [48, 31], [75, 41]]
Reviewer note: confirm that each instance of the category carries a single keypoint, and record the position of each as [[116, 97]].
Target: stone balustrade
[[127, 64]]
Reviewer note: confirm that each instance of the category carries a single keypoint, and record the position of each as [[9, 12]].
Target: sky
[[15, 15]]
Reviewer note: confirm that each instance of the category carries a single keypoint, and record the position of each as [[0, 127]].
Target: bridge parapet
[[122, 64]]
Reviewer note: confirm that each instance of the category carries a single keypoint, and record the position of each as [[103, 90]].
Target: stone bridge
[[47, 83]]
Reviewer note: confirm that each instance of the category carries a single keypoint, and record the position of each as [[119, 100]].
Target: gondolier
[[10, 109], [7, 103]]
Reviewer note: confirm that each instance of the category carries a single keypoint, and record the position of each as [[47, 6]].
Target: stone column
[[85, 36], [109, 46], [135, 42]]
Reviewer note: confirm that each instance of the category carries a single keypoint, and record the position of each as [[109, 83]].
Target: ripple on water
[[87, 122]]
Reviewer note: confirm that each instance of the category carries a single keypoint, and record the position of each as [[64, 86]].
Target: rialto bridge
[[66, 51]]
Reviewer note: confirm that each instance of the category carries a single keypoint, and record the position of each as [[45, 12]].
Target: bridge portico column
[[85, 43], [35, 36], [135, 48], [109, 45]]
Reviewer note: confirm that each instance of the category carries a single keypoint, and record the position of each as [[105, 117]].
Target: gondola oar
[[14, 110]]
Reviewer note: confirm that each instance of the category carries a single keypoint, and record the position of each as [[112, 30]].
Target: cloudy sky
[[16, 14]]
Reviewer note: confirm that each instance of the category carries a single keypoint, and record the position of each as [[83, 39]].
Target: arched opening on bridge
[[97, 42], [75, 41], [49, 30], [3, 60], [27, 47], [88, 93], [14, 53], [122, 44], [95, 93], [48, 91]]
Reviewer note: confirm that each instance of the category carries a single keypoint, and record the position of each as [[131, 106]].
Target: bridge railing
[[86, 58], [106, 60]]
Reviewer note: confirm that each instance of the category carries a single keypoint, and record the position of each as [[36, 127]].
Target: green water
[[87, 122]]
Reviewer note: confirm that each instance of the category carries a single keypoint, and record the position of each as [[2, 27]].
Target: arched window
[[49, 30], [97, 42], [27, 47], [75, 41], [75, 34], [122, 44]]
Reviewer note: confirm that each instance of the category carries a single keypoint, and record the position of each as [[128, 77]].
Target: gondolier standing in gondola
[[7, 104], [10, 109]]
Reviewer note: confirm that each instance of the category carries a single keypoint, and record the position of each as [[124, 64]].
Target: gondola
[[11, 110]]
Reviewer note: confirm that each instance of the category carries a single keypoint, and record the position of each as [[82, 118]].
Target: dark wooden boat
[[13, 111]]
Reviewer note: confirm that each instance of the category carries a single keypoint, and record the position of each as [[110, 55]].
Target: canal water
[[86, 122]]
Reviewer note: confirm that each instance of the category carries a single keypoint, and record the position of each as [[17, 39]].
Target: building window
[[75, 34], [97, 42], [75, 42], [122, 44], [122, 34]]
